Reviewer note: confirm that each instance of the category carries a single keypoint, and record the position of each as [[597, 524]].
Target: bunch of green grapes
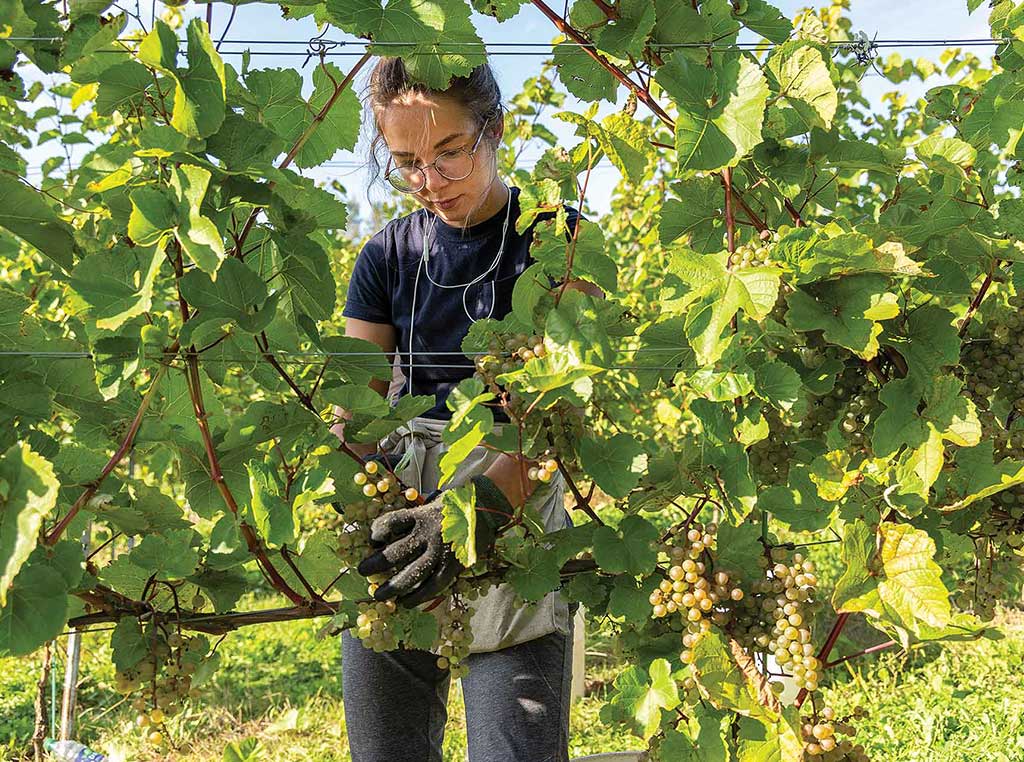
[[995, 570], [853, 401], [777, 617], [697, 592], [770, 457], [753, 254], [563, 424], [163, 678], [821, 736], [456, 635], [994, 365], [375, 626], [506, 354]]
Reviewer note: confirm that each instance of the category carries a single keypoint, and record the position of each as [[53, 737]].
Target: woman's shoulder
[[390, 243]]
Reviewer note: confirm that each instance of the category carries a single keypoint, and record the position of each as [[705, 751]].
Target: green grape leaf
[[154, 214], [713, 294], [122, 87], [857, 588], [739, 547], [581, 75], [502, 10], [199, 95], [832, 474], [847, 310], [128, 646], [460, 449], [912, 585], [709, 138], [766, 20], [706, 742], [536, 572], [29, 494], [696, 216], [797, 504], [615, 464], [35, 611], [720, 679], [24, 213], [238, 294], [171, 555], [226, 587], [458, 522], [778, 383], [197, 234], [118, 283], [242, 143], [761, 740], [733, 467], [629, 600], [640, 696], [802, 77], [275, 520], [419, 31], [627, 549]]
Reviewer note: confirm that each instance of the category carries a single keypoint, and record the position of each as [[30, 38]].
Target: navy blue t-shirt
[[384, 276]]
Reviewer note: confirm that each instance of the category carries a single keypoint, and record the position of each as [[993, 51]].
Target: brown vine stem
[[290, 156], [642, 94], [195, 391], [976, 301], [252, 541], [826, 649], [218, 624], [313, 594], [126, 445], [581, 502], [864, 652]]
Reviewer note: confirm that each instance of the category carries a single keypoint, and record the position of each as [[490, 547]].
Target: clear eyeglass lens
[[454, 165]]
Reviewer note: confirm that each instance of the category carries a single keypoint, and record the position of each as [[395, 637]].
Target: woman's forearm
[[508, 472]]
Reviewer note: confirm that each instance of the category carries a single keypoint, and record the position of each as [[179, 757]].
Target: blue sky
[[910, 19]]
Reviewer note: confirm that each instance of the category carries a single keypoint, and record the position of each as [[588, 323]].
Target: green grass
[[280, 683]]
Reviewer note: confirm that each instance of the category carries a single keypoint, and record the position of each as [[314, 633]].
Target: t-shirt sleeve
[[369, 295]]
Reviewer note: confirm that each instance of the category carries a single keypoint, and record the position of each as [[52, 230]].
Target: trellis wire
[[546, 46]]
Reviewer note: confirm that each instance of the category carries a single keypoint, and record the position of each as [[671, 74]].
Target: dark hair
[[478, 92]]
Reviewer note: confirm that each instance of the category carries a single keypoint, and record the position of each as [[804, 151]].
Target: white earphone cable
[[465, 286]]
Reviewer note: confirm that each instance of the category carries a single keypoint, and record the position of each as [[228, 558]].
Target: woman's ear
[[499, 128]]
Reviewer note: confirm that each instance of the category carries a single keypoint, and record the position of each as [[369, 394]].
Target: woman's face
[[418, 127]]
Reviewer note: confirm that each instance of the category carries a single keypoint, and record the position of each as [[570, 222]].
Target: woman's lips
[[447, 204]]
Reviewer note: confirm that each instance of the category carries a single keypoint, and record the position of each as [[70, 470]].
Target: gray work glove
[[409, 540]]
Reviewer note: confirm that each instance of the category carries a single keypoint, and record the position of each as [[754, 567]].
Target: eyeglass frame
[[423, 170]]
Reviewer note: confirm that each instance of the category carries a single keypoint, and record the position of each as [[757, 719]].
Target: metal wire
[[315, 358], [322, 43]]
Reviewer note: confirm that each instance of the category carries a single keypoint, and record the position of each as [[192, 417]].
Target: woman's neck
[[494, 201]]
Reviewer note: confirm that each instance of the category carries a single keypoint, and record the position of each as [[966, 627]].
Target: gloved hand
[[409, 539]]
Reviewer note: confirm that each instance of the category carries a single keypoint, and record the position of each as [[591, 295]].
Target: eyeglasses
[[452, 165]]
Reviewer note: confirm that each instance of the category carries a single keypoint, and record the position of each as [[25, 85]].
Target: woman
[[417, 286]]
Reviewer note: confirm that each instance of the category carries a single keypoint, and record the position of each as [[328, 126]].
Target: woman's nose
[[433, 180]]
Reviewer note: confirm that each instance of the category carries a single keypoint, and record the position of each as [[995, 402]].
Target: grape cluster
[[456, 635], [778, 617], [544, 471], [821, 735], [164, 676], [374, 624], [853, 400], [506, 354], [701, 595], [770, 457], [752, 254], [988, 584], [995, 364]]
